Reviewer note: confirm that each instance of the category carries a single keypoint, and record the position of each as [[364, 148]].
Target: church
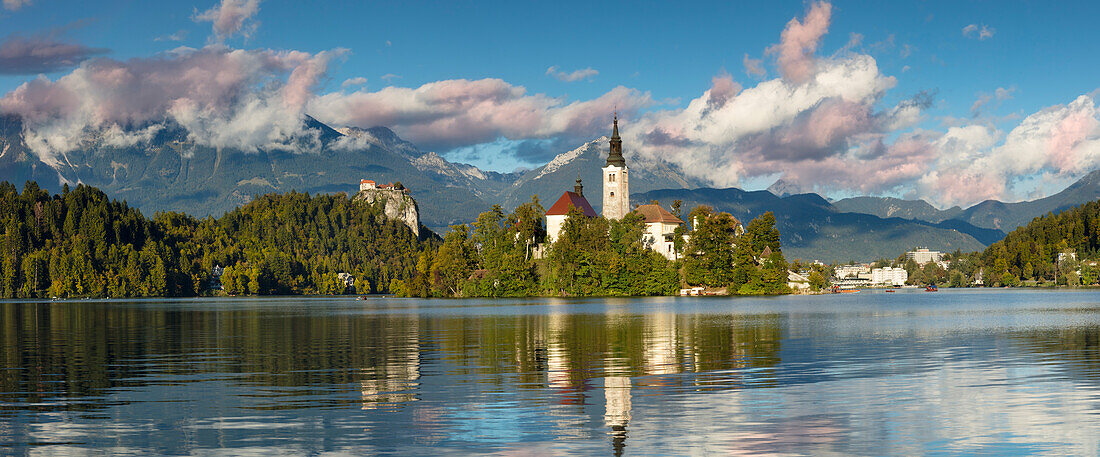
[[659, 223]]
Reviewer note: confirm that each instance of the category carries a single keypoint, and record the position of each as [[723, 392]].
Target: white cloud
[[178, 36], [573, 76], [452, 113], [984, 99], [223, 97], [356, 81], [822, 124], [982, 32]]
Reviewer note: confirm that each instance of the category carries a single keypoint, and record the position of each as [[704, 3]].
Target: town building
[[555, 216], [1067, 256], [852, 271], [616, 182], [660, 226], [346, 279], [888, 276], [922, 256], [367, 184], [798, 282]]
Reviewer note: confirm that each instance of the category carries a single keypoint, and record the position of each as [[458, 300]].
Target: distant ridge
[[990, 214], [812, 229]]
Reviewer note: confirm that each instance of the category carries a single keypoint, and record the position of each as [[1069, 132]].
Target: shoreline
[[916, 289]]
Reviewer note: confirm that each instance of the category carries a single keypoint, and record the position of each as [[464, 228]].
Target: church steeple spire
[[615, 155], [579, 188]]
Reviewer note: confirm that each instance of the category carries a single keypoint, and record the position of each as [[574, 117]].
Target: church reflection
[[396, 379]]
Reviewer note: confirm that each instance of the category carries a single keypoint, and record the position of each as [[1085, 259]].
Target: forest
[[1053, 248], [496, 257], [80, 243]]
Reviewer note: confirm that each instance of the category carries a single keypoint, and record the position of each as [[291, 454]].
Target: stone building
[[616, 182]]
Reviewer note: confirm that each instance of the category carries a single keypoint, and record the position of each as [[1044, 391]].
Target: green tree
[[817, 281], [709, 254]]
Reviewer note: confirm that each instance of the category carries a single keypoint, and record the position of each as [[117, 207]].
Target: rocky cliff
[[398, 205]]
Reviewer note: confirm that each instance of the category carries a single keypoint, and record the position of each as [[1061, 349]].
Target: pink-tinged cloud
[[1065, 138], [799, 41], [891, 167], [41, 54], [223, 97], [452, 113], [754, 67], [722, 89], [832, 122], [15, 5], [1060, 141], [966, 187], [229, 17]]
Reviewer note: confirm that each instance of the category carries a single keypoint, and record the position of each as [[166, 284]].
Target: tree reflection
[[1076, 349], [81, 349]]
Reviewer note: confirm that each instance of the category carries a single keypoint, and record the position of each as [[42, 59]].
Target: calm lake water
[[954, 372]]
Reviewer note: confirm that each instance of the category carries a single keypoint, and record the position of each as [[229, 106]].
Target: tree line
[[508, 255], [1053, 249], [1048, 249], [80, 243]]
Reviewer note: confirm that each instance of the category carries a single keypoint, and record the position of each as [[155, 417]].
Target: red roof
[[567, 200], [654, 213], [366, 181]]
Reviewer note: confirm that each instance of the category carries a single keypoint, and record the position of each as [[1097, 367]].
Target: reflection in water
[[394, 380], [617, 409], [845, 375]]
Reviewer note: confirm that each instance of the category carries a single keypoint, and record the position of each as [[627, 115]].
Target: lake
[[991, 372]]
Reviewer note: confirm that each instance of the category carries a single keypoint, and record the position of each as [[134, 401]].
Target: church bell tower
[[616, 183]]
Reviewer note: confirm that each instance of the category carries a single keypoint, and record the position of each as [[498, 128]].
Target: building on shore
[[555, 216], [861, 270], [660, 227], [888, 276], [922, 256], [798, 282]]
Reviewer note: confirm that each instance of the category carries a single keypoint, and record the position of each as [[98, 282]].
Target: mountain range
[[991, 214], [813, 229], [170, 172]]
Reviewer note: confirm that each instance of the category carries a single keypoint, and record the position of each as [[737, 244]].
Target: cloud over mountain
[[224, 97], [459, 112], [826, 121]]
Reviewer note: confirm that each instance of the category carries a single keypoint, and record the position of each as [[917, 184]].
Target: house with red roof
[[367, 184], [555, 216], [660, 227]]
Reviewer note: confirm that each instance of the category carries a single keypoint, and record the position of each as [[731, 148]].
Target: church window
[[612, 194], [611, 177]]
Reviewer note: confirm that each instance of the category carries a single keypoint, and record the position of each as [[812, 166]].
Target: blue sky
[[1032, 56]]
